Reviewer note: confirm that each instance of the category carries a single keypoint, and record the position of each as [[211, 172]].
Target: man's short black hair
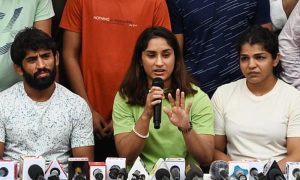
[[30, 39]]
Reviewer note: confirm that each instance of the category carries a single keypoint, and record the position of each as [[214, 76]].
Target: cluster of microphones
[[253, 170], [114, 168]]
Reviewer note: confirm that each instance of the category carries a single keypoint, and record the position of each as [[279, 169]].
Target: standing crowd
[[76, 79]]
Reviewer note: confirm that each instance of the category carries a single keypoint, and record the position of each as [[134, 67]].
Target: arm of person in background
[[200, 146], [84, 151], [71, 54], [44, 25], [1, 150], [288, 6], [289, 48], [130, 144], [293, 152], [263, 14]]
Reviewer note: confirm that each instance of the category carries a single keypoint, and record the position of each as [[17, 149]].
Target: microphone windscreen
[[219, 170], [158, 82], [193, 171], [54, 172], [175, 172], [35, 171], [3, 172], [162, 174]]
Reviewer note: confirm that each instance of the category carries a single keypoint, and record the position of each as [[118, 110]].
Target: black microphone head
[[54, 172], [219, 170], [158, 82], [3, 172], [122, 174], [253, 172], [114, 171], [97, 173], [35, 172], [193, 171], [175, 172], [296, 172], [162, 174]]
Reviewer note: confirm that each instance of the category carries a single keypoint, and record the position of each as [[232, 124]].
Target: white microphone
[[55, 171], [176, 167], [293, 170], [8, 169], [138, 170], [113, 166], [97, 170], [32, 167]]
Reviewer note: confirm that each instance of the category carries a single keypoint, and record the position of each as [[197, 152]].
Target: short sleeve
[[218, 111], [263, 12], [123, 119], [176, 18], [202, 116], [294, 118], [161, 16], [2, 126], [44, 10], [72, 16], [82, 133]]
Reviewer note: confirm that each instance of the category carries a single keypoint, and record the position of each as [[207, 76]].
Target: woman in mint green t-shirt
[[186, 126]]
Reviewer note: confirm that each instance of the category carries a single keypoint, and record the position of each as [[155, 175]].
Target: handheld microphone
[[157, 108], [162, 174], [219, 170], [97, 173], [3, 172], [122, 174], [193, 172], [35, 172], [175, 172]]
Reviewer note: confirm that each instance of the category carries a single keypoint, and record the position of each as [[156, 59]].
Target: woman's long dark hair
[[135, 86]]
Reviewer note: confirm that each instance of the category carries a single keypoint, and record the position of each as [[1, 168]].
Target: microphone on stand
[[35, 172], [3, 172], [158, 82], [193, 172]]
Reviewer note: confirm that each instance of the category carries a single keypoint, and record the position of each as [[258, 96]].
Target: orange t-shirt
[[109, 31]]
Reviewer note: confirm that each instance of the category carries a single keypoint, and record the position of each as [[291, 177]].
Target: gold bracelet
[[139, 135]]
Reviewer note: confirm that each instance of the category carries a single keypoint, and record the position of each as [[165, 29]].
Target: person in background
[[258, 117], [39, 117], [207, 32], [280, 11], [98, 43], [188, 118], [289, 47], [14, 16]]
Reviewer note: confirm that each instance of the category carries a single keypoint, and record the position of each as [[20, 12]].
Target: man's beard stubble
[[40, 83]]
